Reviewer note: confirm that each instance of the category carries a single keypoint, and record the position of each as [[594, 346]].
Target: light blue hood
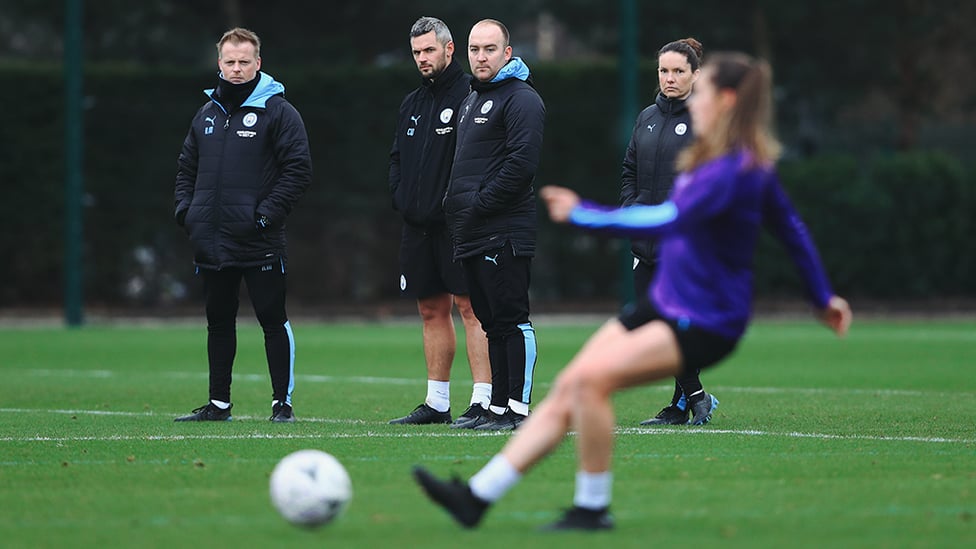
[[515, 68], [266, 88]]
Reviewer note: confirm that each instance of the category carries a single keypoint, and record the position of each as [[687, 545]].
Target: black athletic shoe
[[672, 415], [423, 415], [282, 413], [509, 421], [454, 496], [469, 417], [485, 417], [578, 518], [208, 412], [702, 408]]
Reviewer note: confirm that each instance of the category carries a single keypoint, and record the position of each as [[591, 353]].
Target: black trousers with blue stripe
[[498, 283], [266, 290]]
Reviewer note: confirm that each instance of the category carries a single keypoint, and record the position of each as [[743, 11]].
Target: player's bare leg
[[440, 345], [477, 350]]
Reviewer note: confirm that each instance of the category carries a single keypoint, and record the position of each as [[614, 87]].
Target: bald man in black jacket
[[490, 208]]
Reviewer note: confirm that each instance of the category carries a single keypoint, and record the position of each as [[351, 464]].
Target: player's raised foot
[[208, 412], [509, 421], [454, 496], [282, 413], [423, 415], [579, 518], [469, 417], [672, 415], [702, 408]]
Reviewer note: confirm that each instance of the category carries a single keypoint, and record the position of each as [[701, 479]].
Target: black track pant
[[498, 282], [266, 289]]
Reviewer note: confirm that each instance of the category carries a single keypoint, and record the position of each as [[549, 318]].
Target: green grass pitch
[[864, 442]]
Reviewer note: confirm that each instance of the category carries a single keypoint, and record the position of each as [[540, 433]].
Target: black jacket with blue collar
[[239, 165], [490, 199]]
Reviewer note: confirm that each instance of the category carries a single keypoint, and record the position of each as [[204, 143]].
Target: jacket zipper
[[657, 154], [220, 170]]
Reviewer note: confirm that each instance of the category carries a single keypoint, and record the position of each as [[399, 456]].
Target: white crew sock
[[439, 395], [220, 404], [481, 394], [494, 479], [499, 410], [520, 408], [593, 490]]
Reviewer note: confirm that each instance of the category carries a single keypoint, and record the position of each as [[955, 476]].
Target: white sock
[[439, 395], [220, 404], [481, 394], [593, 490], [497, 409], [518, 407], [494, 479]]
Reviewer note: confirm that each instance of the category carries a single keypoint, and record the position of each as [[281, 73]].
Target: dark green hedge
[[888, 226], [897, 226]]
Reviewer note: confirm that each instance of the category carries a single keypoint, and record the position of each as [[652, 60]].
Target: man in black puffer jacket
[[490, 209], [245, 163]]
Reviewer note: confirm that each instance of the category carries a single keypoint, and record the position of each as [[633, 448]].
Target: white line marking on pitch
[[373, 380], [620, 431], [166, 415]]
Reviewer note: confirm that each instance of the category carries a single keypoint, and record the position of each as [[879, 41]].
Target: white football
[[310, 488]]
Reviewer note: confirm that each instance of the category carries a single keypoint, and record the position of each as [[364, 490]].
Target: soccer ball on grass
[[310, 488]]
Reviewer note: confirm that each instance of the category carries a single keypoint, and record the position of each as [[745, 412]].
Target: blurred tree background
[[876, 103]]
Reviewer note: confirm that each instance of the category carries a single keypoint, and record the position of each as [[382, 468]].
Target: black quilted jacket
[[490, 199], [235, 167], [661, 131]]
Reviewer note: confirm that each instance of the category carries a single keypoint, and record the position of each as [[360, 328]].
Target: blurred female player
[[697, 307]]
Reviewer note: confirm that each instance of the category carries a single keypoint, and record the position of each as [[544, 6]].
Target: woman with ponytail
[[697, 308]]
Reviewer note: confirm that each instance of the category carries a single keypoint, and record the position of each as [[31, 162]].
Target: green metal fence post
[[73, 145]]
